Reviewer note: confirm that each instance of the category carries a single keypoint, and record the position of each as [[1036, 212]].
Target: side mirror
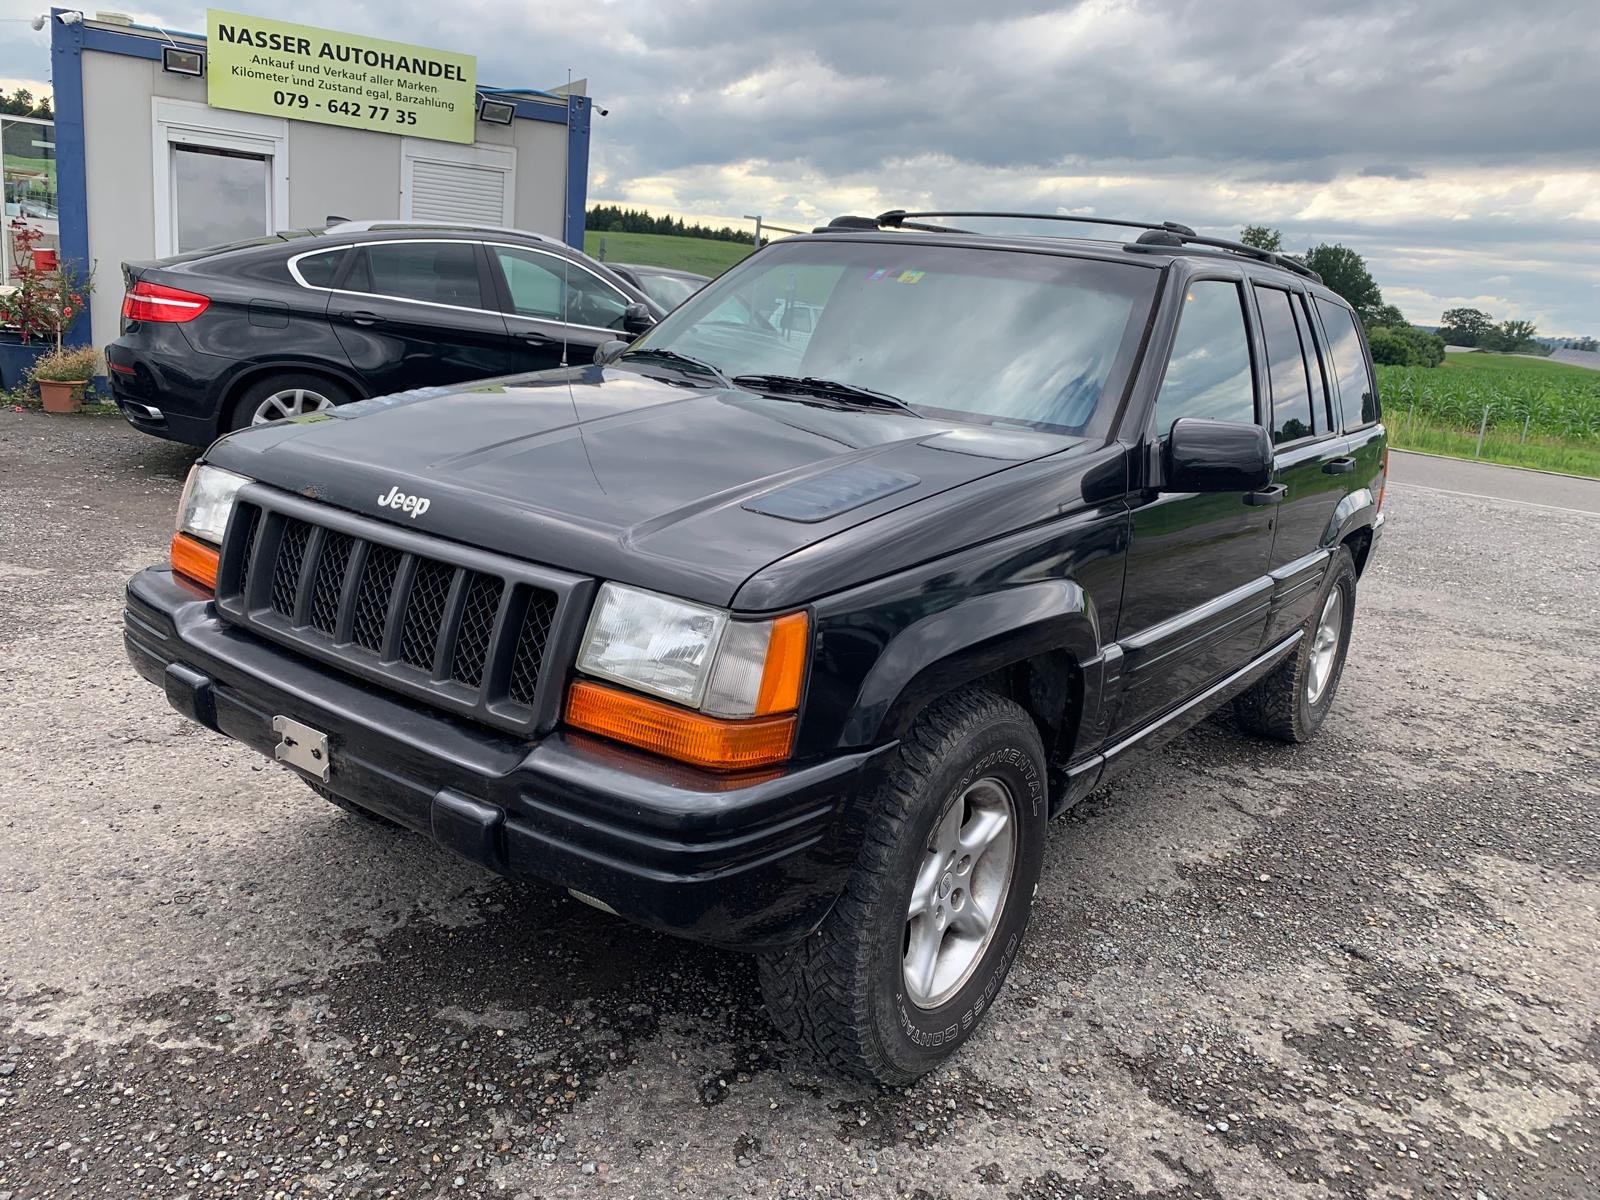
[[636, 319], [609, 352], [1202, 455]]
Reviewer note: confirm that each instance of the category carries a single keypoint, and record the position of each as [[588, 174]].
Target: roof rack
[[394, 225], [1156, 236]]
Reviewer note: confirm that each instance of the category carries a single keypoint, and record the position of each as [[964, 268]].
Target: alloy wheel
[[959, 892]]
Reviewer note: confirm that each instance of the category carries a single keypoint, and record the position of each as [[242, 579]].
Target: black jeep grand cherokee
[[791, 641]]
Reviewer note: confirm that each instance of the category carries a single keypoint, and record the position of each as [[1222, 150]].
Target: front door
[[417, 313], [1196, 592]]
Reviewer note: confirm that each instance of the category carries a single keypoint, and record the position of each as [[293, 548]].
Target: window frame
[[485, 285], [1271, 405], [1254, 346], [502, 289], [1319, 348]]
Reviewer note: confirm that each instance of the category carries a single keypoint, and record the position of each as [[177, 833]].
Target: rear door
[[555, 309], [1312, 466], [416, 312]]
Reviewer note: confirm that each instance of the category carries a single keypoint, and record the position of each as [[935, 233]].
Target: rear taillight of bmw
[[146, 301]]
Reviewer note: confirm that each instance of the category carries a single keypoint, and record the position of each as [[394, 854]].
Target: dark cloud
[[1418, 130]]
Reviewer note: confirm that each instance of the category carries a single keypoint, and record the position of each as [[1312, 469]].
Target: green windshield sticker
[[910, 277]]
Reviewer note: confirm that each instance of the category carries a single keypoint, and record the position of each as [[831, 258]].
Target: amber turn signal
[[690, 737], [195, 560]]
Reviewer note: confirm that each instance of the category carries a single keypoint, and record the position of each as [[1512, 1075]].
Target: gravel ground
[[1364, 967]]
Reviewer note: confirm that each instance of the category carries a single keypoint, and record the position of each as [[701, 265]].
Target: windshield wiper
[[673, 356], [830, 389]]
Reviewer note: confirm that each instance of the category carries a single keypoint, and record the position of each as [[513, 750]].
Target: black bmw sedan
[[304, 320]]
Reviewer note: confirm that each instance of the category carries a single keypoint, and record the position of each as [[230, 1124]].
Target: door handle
[[1339, 466], [360, 318], [1271, 494], [534, 338]]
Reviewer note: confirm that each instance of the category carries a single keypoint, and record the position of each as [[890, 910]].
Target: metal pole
[[757, 220], [1482, 426], [1526, 421]]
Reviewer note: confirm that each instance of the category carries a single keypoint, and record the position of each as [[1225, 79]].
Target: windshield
[[995, 336], [669, 291]]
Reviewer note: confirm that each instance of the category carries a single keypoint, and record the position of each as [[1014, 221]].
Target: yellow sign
[[259, 65]]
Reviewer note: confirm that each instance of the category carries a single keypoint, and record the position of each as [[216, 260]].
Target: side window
[[1286, 365], [437, 272], [1321, 412], [1208, 373], [318, 270], [552, 289], [1358, 399]]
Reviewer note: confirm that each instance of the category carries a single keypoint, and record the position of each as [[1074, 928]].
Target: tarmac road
[[1362, 967]]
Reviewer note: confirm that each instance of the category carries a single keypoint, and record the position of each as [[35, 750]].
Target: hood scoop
[[831, 493]]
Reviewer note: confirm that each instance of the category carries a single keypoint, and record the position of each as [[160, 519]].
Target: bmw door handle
[[534, 338], [1339, 466], [1272, 494], [360, 318]]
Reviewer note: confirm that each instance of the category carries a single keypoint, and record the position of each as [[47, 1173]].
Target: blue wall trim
[[578, 111], [72, 185]]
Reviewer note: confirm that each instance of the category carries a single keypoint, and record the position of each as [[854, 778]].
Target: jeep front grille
[[462, 629]]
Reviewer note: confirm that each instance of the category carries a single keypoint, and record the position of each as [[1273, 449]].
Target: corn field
[[1523, 398]]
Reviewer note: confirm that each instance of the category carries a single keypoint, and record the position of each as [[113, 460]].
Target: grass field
[[1540, 414], [701, 255]]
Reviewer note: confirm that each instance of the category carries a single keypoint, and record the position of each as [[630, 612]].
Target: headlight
[[744, 677], [653, 643], [207, 501]]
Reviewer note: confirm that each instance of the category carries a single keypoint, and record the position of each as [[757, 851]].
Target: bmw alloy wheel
[[290, 402]]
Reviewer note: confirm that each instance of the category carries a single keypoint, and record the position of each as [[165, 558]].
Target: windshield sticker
[[880, 273], [910, 277]]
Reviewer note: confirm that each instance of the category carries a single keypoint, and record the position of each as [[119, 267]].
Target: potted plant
[[37, 309], [62, 375]]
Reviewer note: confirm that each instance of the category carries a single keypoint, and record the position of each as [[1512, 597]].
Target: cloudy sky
[[1455, 143]]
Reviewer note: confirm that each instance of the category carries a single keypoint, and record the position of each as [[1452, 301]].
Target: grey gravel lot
[[1363, 967]]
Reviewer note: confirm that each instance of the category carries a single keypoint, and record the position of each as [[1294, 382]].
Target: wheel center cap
[[946, 884]]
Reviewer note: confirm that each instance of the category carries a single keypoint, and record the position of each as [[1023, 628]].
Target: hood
[[619, 475]]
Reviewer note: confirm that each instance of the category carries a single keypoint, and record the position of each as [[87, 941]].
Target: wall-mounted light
[[183, 62], [496, 112]]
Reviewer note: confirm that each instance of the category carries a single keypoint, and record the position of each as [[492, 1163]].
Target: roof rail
[[1156, 236], [393, 224]]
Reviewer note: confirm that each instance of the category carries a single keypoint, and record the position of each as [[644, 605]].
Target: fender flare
[[1358, 510], [965, 642], [248, 372]]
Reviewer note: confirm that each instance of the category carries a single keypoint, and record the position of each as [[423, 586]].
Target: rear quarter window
[[1358, 398], [319, 270]]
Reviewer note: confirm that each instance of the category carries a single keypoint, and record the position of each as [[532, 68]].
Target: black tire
[[350, 807], [242, 415], [841, 991], [1279, 706]]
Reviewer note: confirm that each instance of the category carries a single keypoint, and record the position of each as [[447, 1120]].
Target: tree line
[[21, 103], [1394, 339], [611, 218]]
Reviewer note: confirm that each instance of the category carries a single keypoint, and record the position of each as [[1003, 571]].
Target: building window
[[219, 196]]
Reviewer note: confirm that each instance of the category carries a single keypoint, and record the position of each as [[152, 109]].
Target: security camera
[[70, 18], [38, 22], [604, 112]]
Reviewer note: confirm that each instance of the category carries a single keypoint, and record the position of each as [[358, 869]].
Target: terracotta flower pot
[[62, 396]]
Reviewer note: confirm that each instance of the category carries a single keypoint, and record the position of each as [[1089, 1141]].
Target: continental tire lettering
[[968, 1019]]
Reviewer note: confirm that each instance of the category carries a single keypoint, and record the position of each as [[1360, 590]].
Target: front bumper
[[744, 862]]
